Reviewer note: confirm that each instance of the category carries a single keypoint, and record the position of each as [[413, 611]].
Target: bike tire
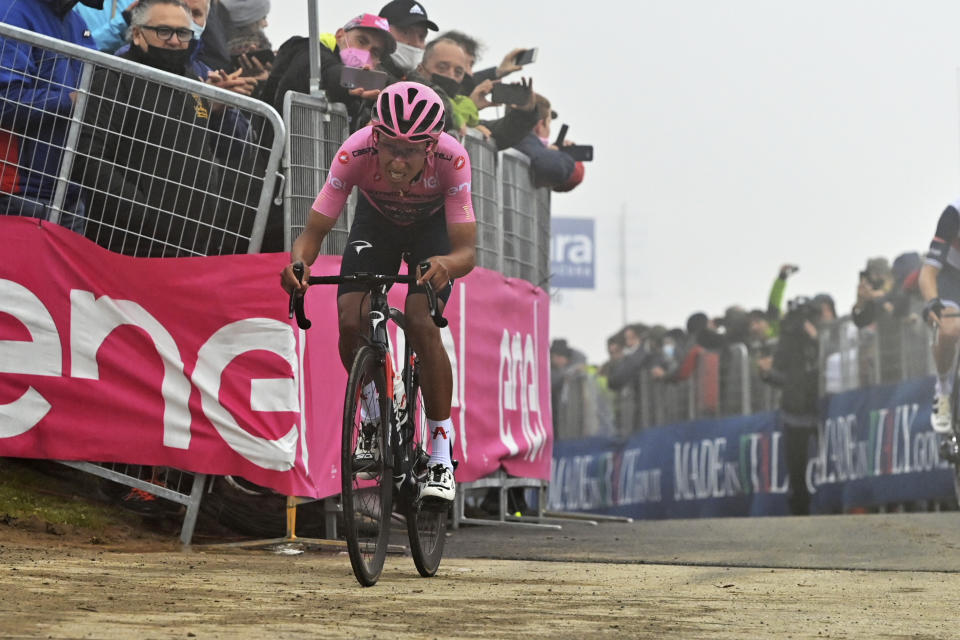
[[366, 502], [426, 528]]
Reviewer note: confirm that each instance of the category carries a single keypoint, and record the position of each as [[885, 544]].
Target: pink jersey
[[444, 182]]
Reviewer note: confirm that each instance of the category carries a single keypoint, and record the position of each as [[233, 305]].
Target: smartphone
[[561, 136], [581, 152], [263, 55], [525, 57], [510, 94], [354, 77]]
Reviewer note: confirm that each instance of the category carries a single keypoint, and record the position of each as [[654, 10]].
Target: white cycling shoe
[[439, 484], [941, 415]]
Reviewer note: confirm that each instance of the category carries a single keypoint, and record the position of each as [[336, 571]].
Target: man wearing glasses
[[151, 157]]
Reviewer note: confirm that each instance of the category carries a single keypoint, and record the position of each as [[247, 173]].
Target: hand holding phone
[[357, 78], [515, 94], [527, 56]]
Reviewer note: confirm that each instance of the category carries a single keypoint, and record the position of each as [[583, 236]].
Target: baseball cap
[[404, 13], [374, 23]]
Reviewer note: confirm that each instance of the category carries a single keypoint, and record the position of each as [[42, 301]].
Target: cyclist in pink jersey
[[414, 205]]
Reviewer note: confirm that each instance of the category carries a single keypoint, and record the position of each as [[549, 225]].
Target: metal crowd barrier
[[315, 130], [485, 188], [140, 161], [891, 350]]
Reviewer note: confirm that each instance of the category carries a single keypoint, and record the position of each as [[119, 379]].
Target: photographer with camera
[[874, 293], [550, 166], [795, 369]]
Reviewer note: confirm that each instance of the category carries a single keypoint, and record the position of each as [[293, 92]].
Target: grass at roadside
[[29, 494]]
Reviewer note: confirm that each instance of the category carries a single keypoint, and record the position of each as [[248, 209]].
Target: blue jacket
[[109, 32], [35, 88], [550, 168]]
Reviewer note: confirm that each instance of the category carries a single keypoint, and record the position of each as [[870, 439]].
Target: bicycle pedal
[[435, 505]]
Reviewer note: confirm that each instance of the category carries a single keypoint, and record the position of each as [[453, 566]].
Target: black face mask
[[450, 86], [468, 85], [170, 60]]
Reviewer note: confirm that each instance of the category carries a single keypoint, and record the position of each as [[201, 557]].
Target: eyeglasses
[[165, 33]]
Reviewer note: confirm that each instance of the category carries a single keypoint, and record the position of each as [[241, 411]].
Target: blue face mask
[[197, 30]]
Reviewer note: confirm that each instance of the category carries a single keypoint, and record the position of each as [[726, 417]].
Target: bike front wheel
[[426, 527], [366, 482]]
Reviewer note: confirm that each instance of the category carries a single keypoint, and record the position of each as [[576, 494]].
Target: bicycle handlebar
[[370, 280]]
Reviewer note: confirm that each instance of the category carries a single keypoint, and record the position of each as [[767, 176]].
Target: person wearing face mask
[[409, 25], [474, 92], [362, 42], [550, 167], [148, 176], [35, 108], [443, 68]]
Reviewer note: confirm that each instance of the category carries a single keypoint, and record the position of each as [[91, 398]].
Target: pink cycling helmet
[[409, 111]]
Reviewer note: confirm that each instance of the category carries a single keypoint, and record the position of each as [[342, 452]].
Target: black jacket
[[796, 368], [291, 72], [146, 159]]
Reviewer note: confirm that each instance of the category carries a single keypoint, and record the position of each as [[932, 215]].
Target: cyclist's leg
[[429, 238], [371, 247], [944, 353]]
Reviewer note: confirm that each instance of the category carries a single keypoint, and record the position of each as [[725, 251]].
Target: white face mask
[[197, 29], [407, 56]]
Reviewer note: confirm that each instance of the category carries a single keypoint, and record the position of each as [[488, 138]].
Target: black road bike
[[374, 487]]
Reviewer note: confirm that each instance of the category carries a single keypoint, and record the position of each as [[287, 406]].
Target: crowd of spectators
[[796, 348], [164, 172]]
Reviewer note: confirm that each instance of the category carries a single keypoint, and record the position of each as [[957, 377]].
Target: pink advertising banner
[[192, 363]]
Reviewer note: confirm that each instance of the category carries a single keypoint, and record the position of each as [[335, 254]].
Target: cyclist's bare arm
[[305, 250], [927, 281], [461, 259]]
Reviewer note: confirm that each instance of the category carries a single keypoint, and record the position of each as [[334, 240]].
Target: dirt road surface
[[879, 576]]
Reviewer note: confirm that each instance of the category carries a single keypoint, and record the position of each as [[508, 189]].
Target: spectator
[[150, 186], [550, 166], [362, 42], [408, 24], [36, 89], [794, 368], [214, 52], [471, 97], [874, 293], [248, 19], [108, 24], [443, 66]]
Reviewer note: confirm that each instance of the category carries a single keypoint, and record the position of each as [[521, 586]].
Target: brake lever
[[435, 314], [296, 301]]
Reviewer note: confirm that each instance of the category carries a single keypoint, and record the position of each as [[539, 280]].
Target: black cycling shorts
[[377, 245], [948, 287]]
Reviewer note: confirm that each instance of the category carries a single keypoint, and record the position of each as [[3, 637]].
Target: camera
[[799, 310], [875, 283]]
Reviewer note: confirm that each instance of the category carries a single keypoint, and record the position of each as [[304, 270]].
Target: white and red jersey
[[443, 183]]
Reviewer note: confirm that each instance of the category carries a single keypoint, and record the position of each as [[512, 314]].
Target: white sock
[[441, 434], [370, 405], [944, 385]]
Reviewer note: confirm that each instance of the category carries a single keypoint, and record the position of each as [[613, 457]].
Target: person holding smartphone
[[550, 166], [361, 43]]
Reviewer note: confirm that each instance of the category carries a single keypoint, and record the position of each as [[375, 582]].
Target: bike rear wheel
[[426, 528], [366, 486]]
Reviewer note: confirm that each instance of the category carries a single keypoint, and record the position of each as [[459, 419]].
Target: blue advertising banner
[[874, 447], [572, 255]]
